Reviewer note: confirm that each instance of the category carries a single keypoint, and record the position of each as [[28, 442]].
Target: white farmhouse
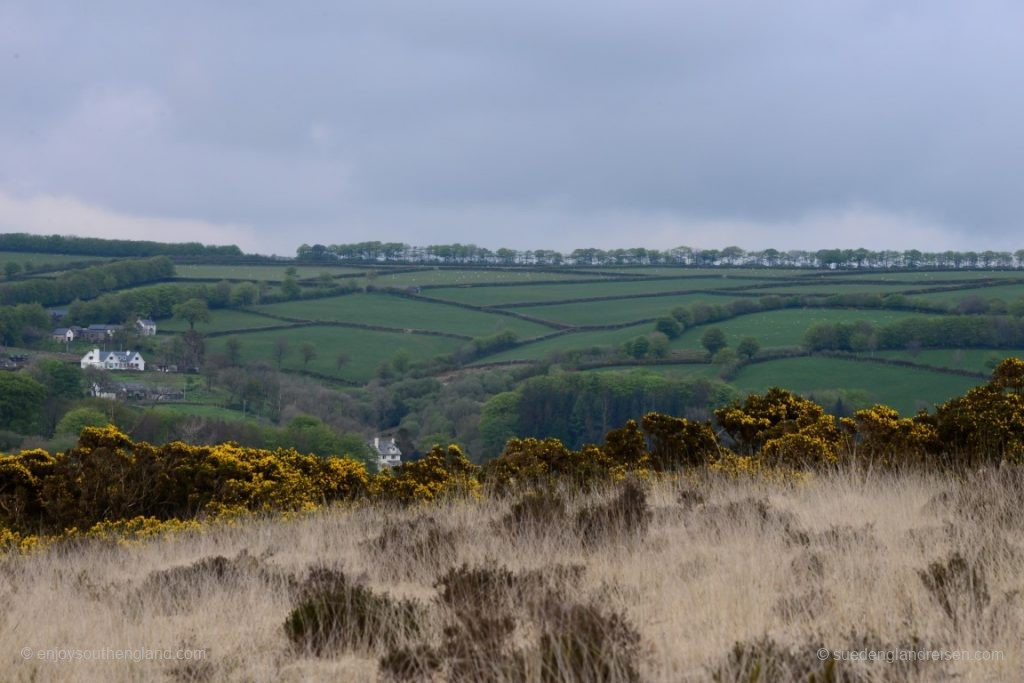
[[64, 335], [387, 452], [114, 360], [146, 327]]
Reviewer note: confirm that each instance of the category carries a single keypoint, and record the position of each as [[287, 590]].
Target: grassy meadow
[[730, 577]]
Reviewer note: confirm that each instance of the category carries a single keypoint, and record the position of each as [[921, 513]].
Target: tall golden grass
[[734, 578]]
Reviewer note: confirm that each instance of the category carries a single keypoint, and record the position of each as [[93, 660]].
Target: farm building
[[146, 327], [114, 360], [387, 452]]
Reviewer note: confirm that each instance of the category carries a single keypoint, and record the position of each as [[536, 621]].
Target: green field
[[569, 342], [491, 296], [930, 277], [683, 271], [439, 276], [817, 287], [36, 259], [906, 389], [680, 370], [620, 310], [221, 320], [1005, 292], [402, 313], [785, 327], [261, 272], [972, 360], [365, 349]]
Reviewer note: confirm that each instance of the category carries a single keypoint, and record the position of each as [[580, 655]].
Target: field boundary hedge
[[302, 322]]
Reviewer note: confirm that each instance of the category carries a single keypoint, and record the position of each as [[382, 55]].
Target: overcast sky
[[530, 124]]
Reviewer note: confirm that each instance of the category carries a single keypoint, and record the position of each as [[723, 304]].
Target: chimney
[[376, 442]]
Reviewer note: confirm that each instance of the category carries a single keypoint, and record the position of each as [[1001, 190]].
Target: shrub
[[888, 438], [420, 544], [477, 641], [417, 663], [544, 464], [713, 340], [108, 477], [584, 643], [802, 432], [624, 516], [677, 442], [439, 474], [957, 586], [987, 423], [181, 588], [534, 512], [335, 614]]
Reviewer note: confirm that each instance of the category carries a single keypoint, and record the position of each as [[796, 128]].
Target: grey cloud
[[526, 123]]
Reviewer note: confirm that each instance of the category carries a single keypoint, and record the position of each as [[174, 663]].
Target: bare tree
[[280, 350], [308, 352]]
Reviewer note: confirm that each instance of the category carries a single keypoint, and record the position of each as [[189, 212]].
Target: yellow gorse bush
[[114, 488]]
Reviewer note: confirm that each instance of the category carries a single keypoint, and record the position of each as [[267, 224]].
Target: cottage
[[114, 360], [387, 452], [64, 335], [146, 327]]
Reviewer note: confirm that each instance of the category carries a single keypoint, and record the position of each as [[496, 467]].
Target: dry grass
[[846, 560]]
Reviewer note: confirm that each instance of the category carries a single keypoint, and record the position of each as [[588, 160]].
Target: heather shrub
[[411, 663], [534, 512], [410, 547], [626, 515], [182, 588], [334, 613], [585, 643], [482, 604], [764, 661], [957, 586]]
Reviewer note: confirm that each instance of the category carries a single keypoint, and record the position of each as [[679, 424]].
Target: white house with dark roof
[[63, 335], [387, 452], [114, 360], [146, 327]]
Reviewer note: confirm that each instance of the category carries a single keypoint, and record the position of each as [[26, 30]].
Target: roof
[[385, 447], [146, 321], [61, 330]]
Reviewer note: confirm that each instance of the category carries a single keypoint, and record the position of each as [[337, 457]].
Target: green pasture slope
[[785, 327], [540, 350], [221, 320], [259, 272], [439, 276], [402, 313], [474, 303], [906, 389], [525, 294], [616, 311], [365, 349]]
